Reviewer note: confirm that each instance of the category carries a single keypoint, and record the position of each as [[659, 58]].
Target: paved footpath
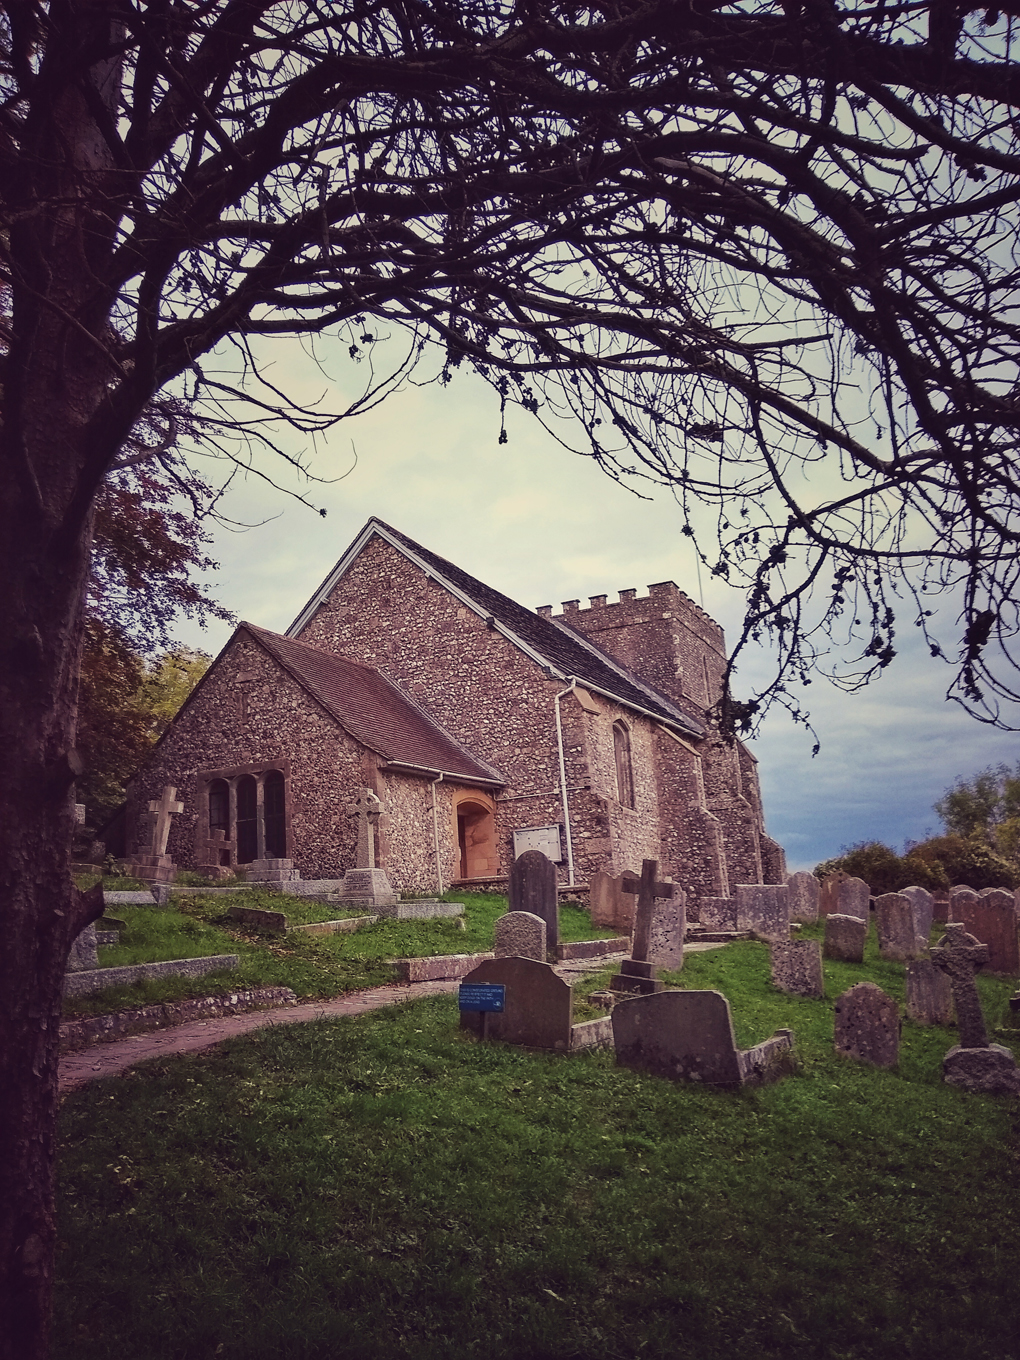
[[107, 1060]]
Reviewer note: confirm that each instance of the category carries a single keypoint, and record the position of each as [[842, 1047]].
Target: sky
[[544, 525]]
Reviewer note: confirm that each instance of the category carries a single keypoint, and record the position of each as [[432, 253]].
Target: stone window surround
[[231, 775], [624, 765]]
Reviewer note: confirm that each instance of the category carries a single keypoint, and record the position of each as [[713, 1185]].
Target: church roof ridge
[[374, 710], [567, 654]]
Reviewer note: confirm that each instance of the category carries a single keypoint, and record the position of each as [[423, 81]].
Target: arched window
[[219, 807], [247, 820], [275, 815], [624, 774]]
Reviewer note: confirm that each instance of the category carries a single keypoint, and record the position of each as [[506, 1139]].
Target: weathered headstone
[[520, 934], [668, 930], [973, 1064], [539, 1005], [717, 913], [868, 1025], [854, 898], [533, 888], [637, 974], [991, 916], [764, 908], [797, 967], [366, 884], [804, 891], [603, 890], [923, 905], [941, 907], [897, 934], [83, 954], [688, 1036], [828, 897], [929, 996], [844, 938], [151, 863]]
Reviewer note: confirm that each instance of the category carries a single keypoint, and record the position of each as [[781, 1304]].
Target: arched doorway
[[476, 838]]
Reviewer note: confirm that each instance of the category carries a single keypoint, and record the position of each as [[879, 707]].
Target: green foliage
[[168, 680], [986, 809], [388, 1186], [883, 870], [968, 860]]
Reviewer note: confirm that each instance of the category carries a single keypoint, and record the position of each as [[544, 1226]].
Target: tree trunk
[[63, 212]]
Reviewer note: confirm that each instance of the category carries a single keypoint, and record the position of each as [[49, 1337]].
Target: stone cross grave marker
[[533, 888], [367, 808], [960, 955], [973, 1064], [163, 809], [637, 974]]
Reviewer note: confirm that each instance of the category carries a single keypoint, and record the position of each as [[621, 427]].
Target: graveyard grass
[[388, 1186], [197, 925]]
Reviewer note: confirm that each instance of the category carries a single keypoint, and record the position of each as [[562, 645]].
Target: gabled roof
[[375, 711], [565, 654]]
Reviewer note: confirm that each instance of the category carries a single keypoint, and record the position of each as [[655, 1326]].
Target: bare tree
[[763, 251]]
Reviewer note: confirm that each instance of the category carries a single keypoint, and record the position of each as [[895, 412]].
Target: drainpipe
[[563, 781], [435, 833]]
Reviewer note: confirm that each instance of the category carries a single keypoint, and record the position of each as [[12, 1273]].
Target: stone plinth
[[636, 975], [367, 887], [151, 868], [271, 871], [797, 968]]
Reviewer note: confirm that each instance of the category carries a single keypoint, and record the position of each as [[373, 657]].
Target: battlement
[[664, 599]]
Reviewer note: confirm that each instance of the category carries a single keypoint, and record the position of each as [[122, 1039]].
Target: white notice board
[[544, 838]]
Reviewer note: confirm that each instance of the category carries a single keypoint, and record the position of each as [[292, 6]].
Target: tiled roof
[[374, 710], [566, 651]]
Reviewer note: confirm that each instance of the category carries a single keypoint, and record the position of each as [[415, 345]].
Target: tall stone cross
[[367, 808], [961, 955], [163, 808], [647, 891]]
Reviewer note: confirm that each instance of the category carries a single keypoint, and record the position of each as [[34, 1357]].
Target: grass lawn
[[198, 925], [387, 1186]]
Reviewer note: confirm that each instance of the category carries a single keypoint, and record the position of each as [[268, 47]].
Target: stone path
[[108, 1060]]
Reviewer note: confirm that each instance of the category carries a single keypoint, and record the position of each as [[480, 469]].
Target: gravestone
[[929, 995], [688, 1036], [868, 1025], [637, 974], [844, 938], [854, 898], [83, 954], [151, 863], [973, 1064], [991, 917], [828, 897], [897, 933], [923, 905], [668, 930], [538, 1008], [602, 893], [764, 908], [797, 968], [940, 902], [804, 891], [366, 884], [717, 913], [520, 934], [533, 888]]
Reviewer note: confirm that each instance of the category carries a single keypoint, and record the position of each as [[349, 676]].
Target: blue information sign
[[481, 996]]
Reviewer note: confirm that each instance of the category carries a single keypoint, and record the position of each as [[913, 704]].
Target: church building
[[483, 728]]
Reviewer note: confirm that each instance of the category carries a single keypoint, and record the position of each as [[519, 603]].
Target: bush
[[936, 864], [968, 860]]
